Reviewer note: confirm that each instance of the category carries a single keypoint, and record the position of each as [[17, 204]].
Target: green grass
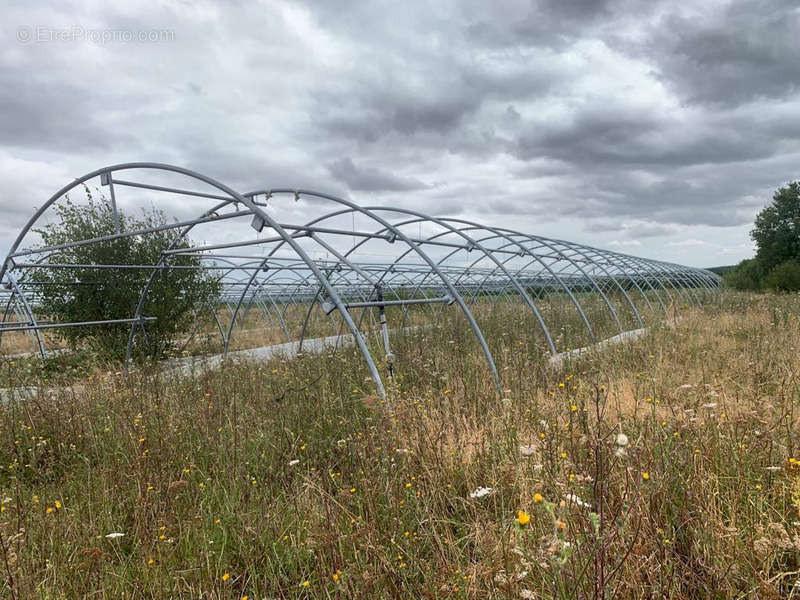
[[199, 471]]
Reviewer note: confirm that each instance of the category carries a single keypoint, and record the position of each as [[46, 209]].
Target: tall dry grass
[[664, 468]]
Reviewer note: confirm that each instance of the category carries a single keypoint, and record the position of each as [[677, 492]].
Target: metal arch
[[579, 249], [627, 260], [476, 244], [404, 276], [239, 267], [560, 255], [620, 271], [302, 278], [29, 311], [612, 310], [248, 202], [312, 223], [162, 261], [536, 258], [425, 218], [499, 233], [13, 307], [260, 286], [701, 277], [548, 268], [685, 290], [400, 235], [559, 264], [647, 271], [473, 244], [245, 291], [557, 275]]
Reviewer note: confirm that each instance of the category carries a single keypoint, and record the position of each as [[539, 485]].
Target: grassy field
[[664, 468]]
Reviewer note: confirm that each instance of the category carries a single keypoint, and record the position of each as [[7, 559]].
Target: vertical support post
[[385, 330], [105, 179]]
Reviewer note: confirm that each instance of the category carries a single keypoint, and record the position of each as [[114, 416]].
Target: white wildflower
[[622, 439], [480, 492], [573, 499]]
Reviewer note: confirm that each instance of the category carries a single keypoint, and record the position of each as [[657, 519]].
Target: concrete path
[[193, 364], [286, 350]]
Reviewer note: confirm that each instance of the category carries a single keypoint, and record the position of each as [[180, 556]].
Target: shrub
[[84, 293], [747, 275], [785, 277]]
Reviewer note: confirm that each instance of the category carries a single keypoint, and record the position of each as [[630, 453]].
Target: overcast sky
[[654, 128]]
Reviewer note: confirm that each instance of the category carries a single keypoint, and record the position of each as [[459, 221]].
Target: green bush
[[84, 293], [785, 277], [747, 275]]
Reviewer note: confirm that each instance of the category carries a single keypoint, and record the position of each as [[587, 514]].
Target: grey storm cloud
[[614, 120], [370, 179], [741, 52], [37, 115]]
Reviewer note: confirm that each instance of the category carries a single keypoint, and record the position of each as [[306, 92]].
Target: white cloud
[[688, 243], [625, 243]]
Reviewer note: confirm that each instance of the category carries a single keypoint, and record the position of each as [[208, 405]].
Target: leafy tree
[[777, 236], [83, 293], [777, 228]]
